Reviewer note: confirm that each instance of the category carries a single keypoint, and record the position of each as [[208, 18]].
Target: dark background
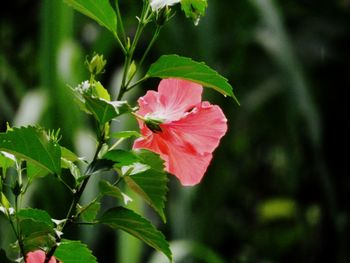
[[278, 187]]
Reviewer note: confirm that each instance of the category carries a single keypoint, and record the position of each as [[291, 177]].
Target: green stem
[[120, 44], [143, 20], [70, 217], [151, 43], [120, 21], [136, 83]]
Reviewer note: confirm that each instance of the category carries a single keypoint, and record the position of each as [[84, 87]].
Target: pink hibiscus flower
[[182, 129], [38, 256]]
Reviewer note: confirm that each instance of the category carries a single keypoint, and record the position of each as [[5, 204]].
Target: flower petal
[[158, 4], [183, 162], [202, 128], [173, 99], [38, 256]]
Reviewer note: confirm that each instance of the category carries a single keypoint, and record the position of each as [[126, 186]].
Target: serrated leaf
[[81, 253], [104, 110], [121, 157], [32, 144], [150, 184], [37, 228], [89, 212], [106, 188], [125, 134], [194, 9], [35, 215], [132, 223], [174, 66], [99, 10]]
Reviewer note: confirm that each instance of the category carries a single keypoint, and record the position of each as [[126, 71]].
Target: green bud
[[96, 64], [163, 15]]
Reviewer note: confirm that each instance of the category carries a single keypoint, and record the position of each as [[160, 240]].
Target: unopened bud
[[163, 15], [96, 64]]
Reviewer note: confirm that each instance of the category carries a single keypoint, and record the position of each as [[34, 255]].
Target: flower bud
[[96, 64], [163, 15]]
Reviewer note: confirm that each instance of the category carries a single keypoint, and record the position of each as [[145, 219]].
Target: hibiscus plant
[[177, 136]]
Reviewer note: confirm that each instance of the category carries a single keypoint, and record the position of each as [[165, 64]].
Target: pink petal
[[38, 256], [183, 162], [188, 167], [202, 128], [173, 99]]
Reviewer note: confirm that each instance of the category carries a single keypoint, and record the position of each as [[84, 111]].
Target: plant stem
[[120, 21], [151, 43], [143, 20], [77, 195]]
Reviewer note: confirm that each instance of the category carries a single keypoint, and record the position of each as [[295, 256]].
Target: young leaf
[[104, 110], [107, 188], [121, 157], [128, 221], [74, 252], [32, 144], [150, 184], [89, 212], [174, 66], [99, 10]]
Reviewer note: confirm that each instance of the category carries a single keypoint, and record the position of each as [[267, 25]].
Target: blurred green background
[[278, 187]]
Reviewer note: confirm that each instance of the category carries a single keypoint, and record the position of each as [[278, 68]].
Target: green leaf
[[128, 221], [74, 252], [106, 188], [104, 110], [174, 66], [99, 10], [150, 184], [35, 215], [68, 155], [89, 212], [194, 9], [4, 202], [74, 170], [37, 228], [6, 161], [121, 157], [125, 134], [32, 144], [101, 92], [35, 171]]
